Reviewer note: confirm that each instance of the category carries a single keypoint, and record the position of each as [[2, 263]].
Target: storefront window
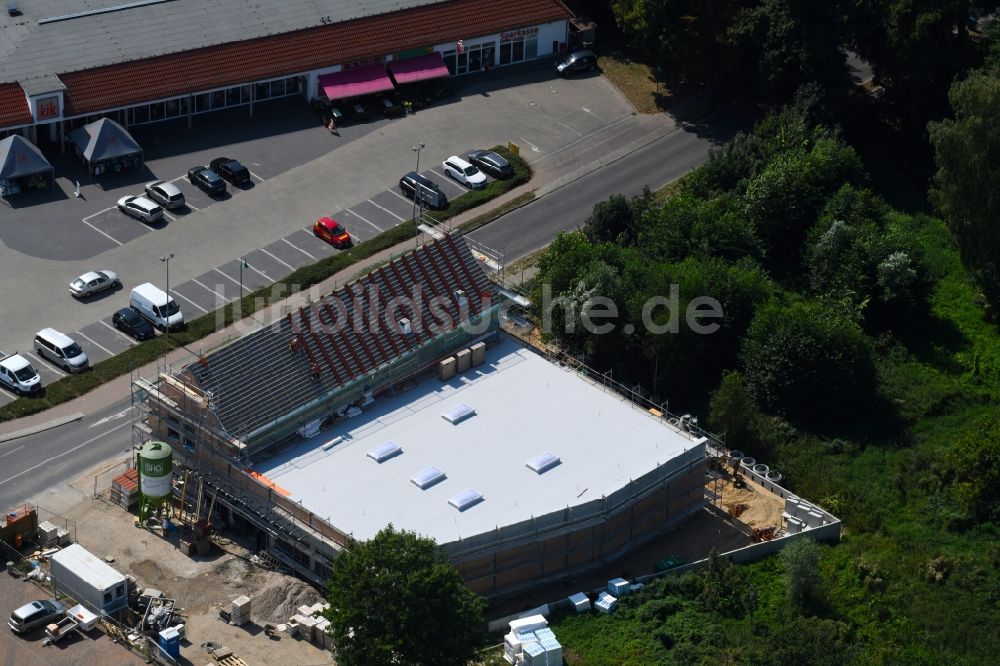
[[245, 94], [531, 49], [141, 115], [277, 88], [263, 91], [201, 103], [182, 105], [518, 45], [517, 55], [449, 61], [172, 108], [504, 53], [219, 99], [155, 112], [463, 63], [232, 96]]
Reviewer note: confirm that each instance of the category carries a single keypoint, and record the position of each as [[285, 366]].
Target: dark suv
[[491, 163], [231, 170], [577, 61], [414, 185], [206, 180]]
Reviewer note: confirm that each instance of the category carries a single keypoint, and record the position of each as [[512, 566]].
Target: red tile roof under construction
[[291, 53], [14, 109]]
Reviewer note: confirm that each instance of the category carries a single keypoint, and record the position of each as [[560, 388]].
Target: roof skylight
[[543, 462], [385, 451], [464, 500], [459, 413], [427, 478]]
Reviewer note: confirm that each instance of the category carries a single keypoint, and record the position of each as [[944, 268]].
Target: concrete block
[[463, 359]]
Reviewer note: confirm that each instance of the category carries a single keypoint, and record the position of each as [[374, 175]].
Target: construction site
[[415, 395]]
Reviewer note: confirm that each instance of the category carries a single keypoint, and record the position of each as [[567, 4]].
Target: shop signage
[[48, 107], [518, 34], [412, 53], [367, 62]]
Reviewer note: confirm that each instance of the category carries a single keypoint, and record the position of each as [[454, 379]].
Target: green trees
[[396, 599], [967, 154], [808, 361], [971, 468], [802, 579], [732, 410]]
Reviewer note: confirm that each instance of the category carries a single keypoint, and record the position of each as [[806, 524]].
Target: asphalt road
[[39, 463], [663, 161]]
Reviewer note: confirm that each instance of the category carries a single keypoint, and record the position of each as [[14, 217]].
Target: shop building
[[66, 63]]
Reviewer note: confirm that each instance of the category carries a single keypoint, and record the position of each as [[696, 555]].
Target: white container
[[605, 603], [618, 587], [580, 601]]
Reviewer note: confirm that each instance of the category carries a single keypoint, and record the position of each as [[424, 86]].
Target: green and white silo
[[155, 475]]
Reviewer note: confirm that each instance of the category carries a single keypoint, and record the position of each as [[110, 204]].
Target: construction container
[[446, 369], [478, 353], [463, 359], [81, 575], [605, 603]]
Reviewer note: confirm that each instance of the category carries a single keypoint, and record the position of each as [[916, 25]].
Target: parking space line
[[445, 176], [571, 129], [172, 218], [177, 293], [375, 226], [386, 210], [400, 196], [103, 210], [256, 176], [299, 249], [285, 263], [190, 206], [236, 282], [127, 339], [94, 342], [110, 238], [261, 273], [222, 296], [42, 363]]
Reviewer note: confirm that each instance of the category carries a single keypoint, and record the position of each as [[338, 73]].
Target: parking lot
[[300, 172]]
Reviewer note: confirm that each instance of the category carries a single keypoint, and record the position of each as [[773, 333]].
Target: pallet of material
[[225, 657], [125, 488]]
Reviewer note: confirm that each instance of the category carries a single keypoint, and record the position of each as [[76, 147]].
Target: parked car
[[414, 186], [577, 61], [206, 180], [17, 374], [141, 208], [166, 194], [60, 349], [35, 614], [327, 229], [230, 170], [491, 163], [129, 321], [93, 282], [460, 170]]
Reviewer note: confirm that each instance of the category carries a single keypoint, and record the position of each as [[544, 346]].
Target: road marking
[[112, 417], [12, 451], [112, 239], [127, 339], [256, 176], [401, 196], [262, 273], [530, 145], [47, 365], [386, 210], [103, 210], [190, 206], [222, 296], [571, 129], [280, 261], [64, 453], [586, 109], [172, 218], [177, 293], [376, 227], [236, 282], [94, 342], [299, 249]]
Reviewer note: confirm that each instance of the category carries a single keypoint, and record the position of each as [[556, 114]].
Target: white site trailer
[[80, 574]]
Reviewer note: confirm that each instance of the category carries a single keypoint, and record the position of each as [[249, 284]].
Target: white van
[[61, 350], [18, 375], [152, 303]]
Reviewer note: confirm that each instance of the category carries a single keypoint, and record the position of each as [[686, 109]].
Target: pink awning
[[421, 68], [355, 82]]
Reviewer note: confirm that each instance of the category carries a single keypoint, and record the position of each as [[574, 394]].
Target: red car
[[328, 230]]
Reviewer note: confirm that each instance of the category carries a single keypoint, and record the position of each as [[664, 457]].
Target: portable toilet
[[170, 642]]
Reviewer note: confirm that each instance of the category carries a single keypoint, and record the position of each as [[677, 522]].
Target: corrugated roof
[[283, 55], [14, 109], [311, 352]]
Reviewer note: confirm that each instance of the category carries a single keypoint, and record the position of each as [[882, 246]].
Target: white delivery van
[[18, 375], [61, 350], [152, 303]]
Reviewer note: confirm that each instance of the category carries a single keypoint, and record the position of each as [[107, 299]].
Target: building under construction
[[400, 399]]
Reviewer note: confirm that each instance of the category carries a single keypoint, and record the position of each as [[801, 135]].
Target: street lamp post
[[166, 259], [417, 148], [243, 264]]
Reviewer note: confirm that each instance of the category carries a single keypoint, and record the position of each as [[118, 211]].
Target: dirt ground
[[756, 506], [202, 586]]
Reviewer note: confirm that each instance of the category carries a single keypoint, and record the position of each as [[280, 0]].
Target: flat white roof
[[88, 567], [524, 405]]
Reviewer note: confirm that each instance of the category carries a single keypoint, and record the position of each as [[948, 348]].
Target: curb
[[48, 425]]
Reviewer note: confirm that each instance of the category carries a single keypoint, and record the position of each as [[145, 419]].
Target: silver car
[[165, 193], [141, 208], [93, 282], [35, 614]]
